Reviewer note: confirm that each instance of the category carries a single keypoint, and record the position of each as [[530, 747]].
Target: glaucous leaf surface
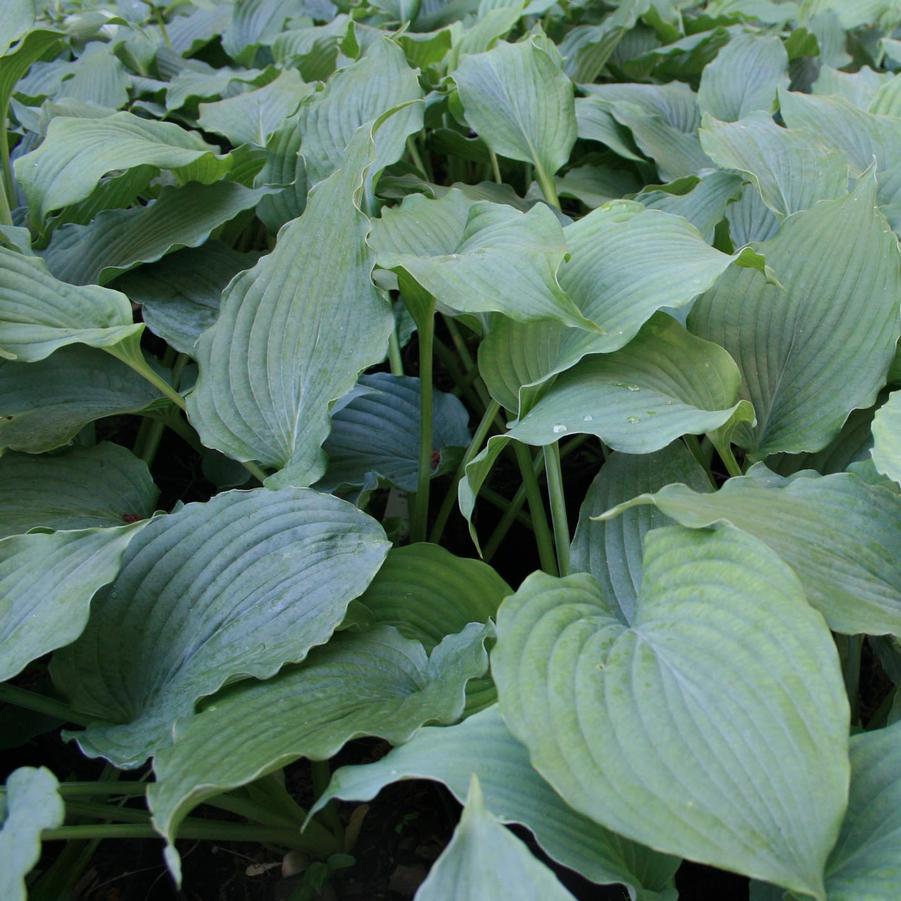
[[232, 588], [30, 803], [520, 102], [482, 746], [887, 437], [376, 434], [375, 683], [83, 487], [179, 295], [663, 384], [251, 117], [39, 313], [626, 262], [119, 240], [77, 153], [479, 257], [47, 581], [818, 347], [484, 860], [613, 550], [356, 96], [293, 334], [788, 166], [864, 862], [744, 77], [44, 405], [640, 728], [840, 535], [426, 593]]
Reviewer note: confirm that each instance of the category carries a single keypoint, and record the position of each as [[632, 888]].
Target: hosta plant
[[497, 395]]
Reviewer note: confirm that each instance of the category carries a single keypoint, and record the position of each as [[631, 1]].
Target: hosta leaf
[[426, 592], [179, 296], [482, 745], [235, 587], [613, 550], [191, 32], [85, 487], [375, 683], [294, 333], [207, 83], [355, 96], [841, 536], [484, 860], [44, 405], [789, 168], [715, 727], [744, 77], [626, 263], [77, 153], [663, 384], [663, 120], [18, 17], [887, 437], [256, 22], [518, 99], [284, 167], [857, 87], [820, 346], [864, 862], [479, 257], [47, 581], [97, 77], [840, 124], [377, 433], [595, 185], [119, 240], [30, 804], [39, 313], [702, 201], [15, 64], [251, 117], [750, 219]]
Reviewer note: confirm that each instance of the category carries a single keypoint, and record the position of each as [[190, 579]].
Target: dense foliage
[[292, 293]]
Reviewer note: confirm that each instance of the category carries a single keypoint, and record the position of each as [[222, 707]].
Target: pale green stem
[[450, 499], [558, 505], [395, 361], [29, 700], [546, 183], [536, 509], [420, 523], [495, 167], [413, 150]]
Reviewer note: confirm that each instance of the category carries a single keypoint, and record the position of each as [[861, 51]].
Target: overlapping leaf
[[482, 745], [84, 487], [294, 333], [376, 683], [840, 535], [118, 240], [887, 437], [77, 153], [232, 588], [818, 347], [39, 313]]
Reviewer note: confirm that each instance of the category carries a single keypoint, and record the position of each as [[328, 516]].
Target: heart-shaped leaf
[[715, 727], [613, 550]]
